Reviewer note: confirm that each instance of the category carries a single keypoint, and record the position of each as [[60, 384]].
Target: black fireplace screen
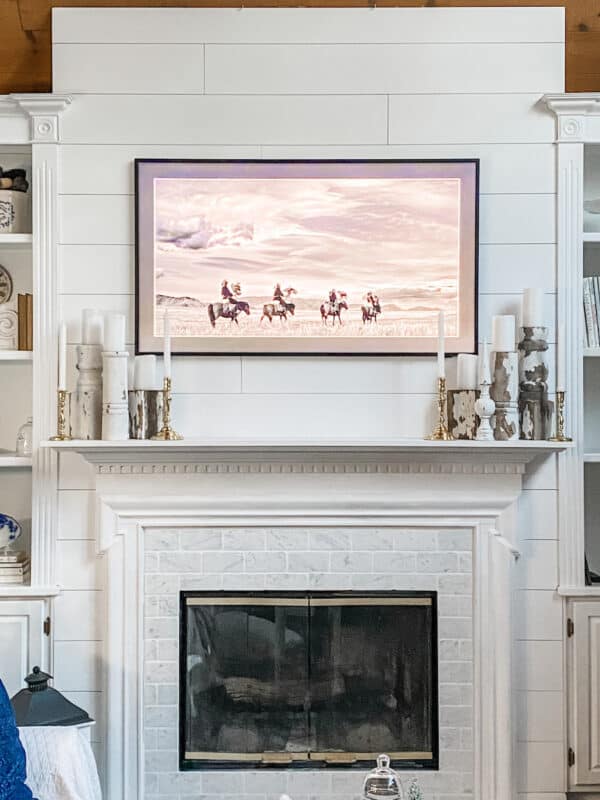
[[308, 679]]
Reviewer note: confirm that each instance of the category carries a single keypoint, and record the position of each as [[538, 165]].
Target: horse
[[370, 311], [327, 310], [227, 311], [271, 310]]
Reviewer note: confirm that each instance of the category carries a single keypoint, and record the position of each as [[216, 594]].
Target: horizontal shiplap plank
[[77, 666], [92, 702], [504, 219], [539, 666], [374, 68], [538, 515], [514, 267], [514, 169], [463, 118], [110, 269], [72, 306], [88, 268], [78, 616], [76, 515], [123, 68], [342, 376], [538, 615], [78, 565], [537, 567], [309, 414], [539, 716], [540, 767], [226, 120], [179, 25]]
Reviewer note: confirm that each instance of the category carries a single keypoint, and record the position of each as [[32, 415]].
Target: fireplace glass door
[[315, 679]]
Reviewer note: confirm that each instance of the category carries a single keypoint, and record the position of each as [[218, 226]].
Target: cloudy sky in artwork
[[398, 237]]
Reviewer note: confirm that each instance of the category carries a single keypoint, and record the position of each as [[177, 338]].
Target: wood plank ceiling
[[25, 43]]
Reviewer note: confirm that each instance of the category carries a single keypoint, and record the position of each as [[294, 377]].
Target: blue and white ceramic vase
[[10, 530]]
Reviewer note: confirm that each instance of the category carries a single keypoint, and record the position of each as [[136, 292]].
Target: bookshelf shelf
[[591, 237], [16, 239], [16, 355], [10, 460]]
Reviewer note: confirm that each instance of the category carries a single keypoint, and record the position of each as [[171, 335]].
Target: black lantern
[[41, 705]]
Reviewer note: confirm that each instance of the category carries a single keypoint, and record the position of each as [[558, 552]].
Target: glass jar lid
[[382, 782]]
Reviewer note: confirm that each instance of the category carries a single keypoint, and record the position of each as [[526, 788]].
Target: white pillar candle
[[485, 375], [466, 371], [92, 326], [533, 308], [62, 357], [440, 352], [503, 333], [114, 333], [167, 344], [560, 359], [144, 376]]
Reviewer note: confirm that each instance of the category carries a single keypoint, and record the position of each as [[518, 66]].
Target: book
[[22, 321], [29, 322], [12, 556], [17, 570], [587, 313]]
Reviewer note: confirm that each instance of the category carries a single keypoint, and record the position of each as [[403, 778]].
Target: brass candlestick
[[62, 427], [560, 420], [167, 434], [441, 433]]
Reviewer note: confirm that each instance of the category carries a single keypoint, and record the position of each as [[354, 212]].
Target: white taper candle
[[167, 344], [62, 357], [560, 359], [441, 354]]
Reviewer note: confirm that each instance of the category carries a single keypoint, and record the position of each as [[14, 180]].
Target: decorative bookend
[[462, 417], [8, 329], [535, 410], [505, 393], [115, 407], [87, 419]]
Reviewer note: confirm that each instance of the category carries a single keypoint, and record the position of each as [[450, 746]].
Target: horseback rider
[[278, 295], [226, 293], [231, 295], [333, 300]]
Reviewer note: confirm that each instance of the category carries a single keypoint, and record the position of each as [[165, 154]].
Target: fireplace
[[308, 679]]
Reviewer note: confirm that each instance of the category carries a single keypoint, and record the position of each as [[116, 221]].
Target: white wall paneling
[[176, 26], [318, 83]]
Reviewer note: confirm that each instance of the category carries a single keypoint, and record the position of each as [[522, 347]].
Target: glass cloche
[[25, 438], [382, 783]]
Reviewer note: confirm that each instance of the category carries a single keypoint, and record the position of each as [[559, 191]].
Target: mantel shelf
[[16, 238], [192, 451]]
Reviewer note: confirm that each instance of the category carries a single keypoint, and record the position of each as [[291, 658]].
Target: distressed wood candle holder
[[87, 417], [505, 393], [145, 413], [535, 410], [463, 420], [115, 406]]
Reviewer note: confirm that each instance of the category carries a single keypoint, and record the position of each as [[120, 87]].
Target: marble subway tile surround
[[303, 558]]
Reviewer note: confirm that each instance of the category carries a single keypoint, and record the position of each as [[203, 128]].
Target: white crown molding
[[42, 110]]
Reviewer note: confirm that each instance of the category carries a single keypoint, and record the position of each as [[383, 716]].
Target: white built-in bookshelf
[[16, 366]]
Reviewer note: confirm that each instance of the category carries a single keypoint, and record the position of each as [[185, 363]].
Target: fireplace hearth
[[308, 679]]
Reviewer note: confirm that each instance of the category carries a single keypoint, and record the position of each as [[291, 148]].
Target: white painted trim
[[127, 510]]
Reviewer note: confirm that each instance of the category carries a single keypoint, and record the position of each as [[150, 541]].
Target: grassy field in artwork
[[191, 322]]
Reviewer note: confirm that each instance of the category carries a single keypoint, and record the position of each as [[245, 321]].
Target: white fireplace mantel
[[413, 484]]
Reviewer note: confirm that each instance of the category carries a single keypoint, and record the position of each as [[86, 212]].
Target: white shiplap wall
[[299, 83]]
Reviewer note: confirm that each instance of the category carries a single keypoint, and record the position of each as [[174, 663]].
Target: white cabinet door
[[22, 645]]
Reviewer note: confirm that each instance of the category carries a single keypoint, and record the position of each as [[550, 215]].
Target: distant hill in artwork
[[166, 300]]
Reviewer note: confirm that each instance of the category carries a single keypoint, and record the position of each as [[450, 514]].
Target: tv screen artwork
[[299, 257]]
